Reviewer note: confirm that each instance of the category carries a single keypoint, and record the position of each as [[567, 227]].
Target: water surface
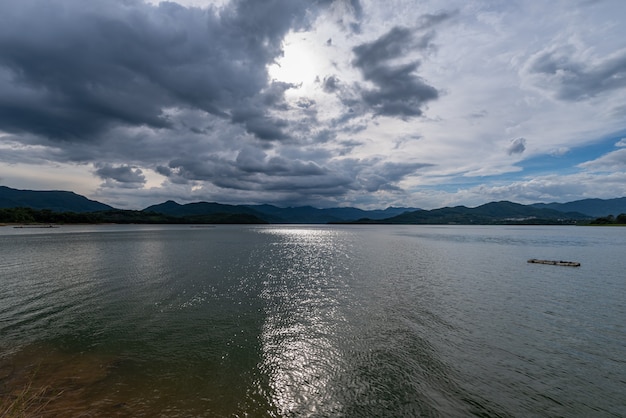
[[314, 320]]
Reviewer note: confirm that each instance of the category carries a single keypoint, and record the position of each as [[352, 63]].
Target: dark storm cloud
[[253, 169], [384, 176], [253, 160], [516, 146], [573, 79], [257, 122], [251, 165], [330, 84], [398, 91], [121, 174], [71, 69], [305, 103], [430, 20], [80, 67], [389, 46], [185, 92], [252, 113]]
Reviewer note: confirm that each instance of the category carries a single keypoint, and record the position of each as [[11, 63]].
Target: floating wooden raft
[[555, 262]]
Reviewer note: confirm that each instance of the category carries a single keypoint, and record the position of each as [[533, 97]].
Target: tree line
[[24, 215], [610, 220], [29, 215]]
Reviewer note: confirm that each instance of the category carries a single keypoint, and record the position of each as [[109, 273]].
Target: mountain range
[[274, 214], [54, 200], [591, 207], [207, 212], [503, 212]]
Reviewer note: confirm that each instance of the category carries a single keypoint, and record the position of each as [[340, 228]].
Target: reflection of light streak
[[300, 368], [318, 235], [302, 355]]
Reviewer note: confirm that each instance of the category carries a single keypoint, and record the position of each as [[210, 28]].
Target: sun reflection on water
[[302, 348]]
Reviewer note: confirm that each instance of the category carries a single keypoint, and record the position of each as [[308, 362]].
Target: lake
[[313, 320]]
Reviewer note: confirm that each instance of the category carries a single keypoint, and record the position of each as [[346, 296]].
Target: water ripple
[[315, 321]]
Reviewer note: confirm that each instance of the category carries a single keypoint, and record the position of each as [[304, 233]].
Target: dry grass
[[29, 401]]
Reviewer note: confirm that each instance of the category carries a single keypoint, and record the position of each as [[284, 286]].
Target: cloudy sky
[[360, 103]]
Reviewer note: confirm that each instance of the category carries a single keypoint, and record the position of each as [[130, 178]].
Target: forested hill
[[591, 207], [274, 214], [491, 213], [51, 202], [54, 200]]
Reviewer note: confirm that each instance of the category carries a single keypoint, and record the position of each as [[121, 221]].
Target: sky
[[327, 103]]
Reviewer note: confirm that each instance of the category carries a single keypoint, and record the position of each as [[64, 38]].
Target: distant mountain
[[309, 214], [591, 207], [274, 214], [208, 212], [54, 200], [297, 215], [491, 213], [196, 209]]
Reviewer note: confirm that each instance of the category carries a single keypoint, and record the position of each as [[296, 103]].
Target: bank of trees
[[45, 216], [118, 216], [611, 220]]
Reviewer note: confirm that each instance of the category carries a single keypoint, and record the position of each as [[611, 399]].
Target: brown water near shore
[[43, 381]]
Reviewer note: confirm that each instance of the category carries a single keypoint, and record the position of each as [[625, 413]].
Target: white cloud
[[612, 162]]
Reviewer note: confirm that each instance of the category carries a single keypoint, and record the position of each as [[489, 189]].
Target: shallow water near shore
[[312, 320]]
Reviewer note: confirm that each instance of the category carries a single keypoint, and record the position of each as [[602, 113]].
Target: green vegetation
[[23, 215], [494, 213], [46, 216], [610, 220]]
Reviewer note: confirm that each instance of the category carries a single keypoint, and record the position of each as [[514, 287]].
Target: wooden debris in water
[[555, 262]]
